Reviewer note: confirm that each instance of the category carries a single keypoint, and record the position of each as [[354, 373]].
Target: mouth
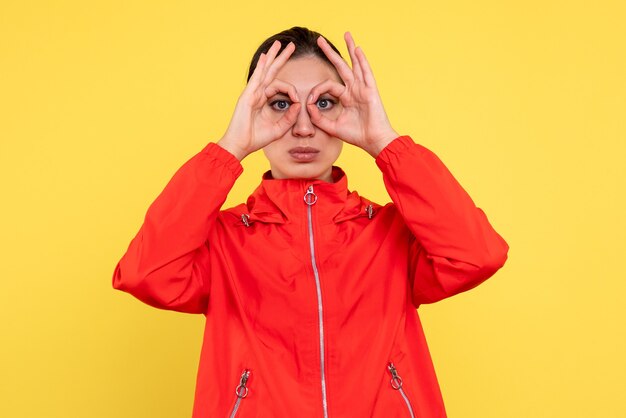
[[304, 154]]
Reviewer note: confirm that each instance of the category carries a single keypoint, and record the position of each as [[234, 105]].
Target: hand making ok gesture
[[362, 120], [253, 125]]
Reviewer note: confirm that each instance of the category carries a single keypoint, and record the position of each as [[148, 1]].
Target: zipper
[[310, 198], [241, 391], [396, 383]]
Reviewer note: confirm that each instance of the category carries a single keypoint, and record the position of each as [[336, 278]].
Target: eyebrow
[[280, 95]]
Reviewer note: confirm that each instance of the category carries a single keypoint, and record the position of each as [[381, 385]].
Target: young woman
[[310, 290]]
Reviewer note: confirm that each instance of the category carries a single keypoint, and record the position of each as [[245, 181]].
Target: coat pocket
[[241, 392], [398, 385]]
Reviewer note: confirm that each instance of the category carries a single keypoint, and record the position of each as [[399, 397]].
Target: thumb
[[322, 122], [288, 119]]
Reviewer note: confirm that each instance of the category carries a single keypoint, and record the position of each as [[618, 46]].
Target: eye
[[324, 103], [280, 104]]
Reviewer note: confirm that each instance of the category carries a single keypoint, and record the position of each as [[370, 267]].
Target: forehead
[[306, 72]]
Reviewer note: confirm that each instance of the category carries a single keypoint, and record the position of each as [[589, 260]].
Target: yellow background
[[525, 102]]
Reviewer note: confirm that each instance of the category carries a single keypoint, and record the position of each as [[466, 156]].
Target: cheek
[[333, 113], [271, 151], [335, 147], [277, 152]]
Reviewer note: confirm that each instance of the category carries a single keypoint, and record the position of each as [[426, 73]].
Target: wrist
[[229, 146], [375, 147]]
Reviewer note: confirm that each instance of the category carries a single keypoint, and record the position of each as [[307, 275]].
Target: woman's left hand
[[362, 120]]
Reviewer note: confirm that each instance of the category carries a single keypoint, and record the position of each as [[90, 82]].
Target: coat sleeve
[[167, 263], [453, 247]]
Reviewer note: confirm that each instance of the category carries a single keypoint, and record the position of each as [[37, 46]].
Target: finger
[[342, 67], [325, 124], [356, 66], [279, 86], [329, 86], [271, 55], [273, 51], [288, 119], [260, 65], [280, 61], [368, 75]]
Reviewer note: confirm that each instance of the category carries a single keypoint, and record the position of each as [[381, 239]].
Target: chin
[[306, 171]]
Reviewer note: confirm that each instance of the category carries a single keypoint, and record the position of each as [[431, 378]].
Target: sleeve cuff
[[393, 150], [223, 156]]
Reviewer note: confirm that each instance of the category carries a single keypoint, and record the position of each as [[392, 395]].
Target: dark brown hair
[[304, 39]]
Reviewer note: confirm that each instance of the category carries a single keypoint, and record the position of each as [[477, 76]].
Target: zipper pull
[[242, 389], [310, 197], [396, 380]]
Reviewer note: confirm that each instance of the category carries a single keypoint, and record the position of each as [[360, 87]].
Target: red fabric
[[257, 288]]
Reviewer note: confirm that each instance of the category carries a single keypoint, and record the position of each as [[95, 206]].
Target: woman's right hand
[[254, 123]]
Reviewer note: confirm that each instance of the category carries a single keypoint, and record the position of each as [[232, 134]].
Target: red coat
[[310, 299]]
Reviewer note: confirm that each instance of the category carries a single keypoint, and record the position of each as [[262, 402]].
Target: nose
[[303, 126]]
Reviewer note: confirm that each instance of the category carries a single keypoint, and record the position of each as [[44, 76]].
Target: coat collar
[[280, 201]]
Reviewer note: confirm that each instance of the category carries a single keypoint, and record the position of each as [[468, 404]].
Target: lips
[[304, 153]]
